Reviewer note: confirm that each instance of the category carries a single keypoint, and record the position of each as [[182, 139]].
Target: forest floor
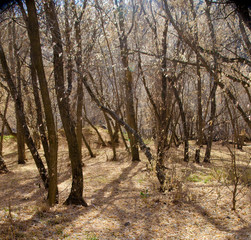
[[123, 197]]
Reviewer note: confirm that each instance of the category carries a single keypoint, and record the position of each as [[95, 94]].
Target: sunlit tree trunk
[[128, 81], [212, 96], [3, 124], [33, 33], [76, 194], [20, 112], [15, 69], [20, 133]]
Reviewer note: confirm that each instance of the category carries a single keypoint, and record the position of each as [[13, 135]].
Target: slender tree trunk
[[3, 125], [96, 130], [20, 132], [33, 33], [20, 111], [40, 122], [80, 96], [88, 147], [214, 88], [130, 111], [199, 113], [15, 69], [183, 118], [7, 125], [109, 127], [76, 194], [68, 48]]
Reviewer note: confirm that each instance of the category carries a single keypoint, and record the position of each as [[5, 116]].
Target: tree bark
[[3, 168], [128, 80], [20, 112], [20, 133], [76, 194], [3, 125], [184, 123], [33, 33], [212, 95]]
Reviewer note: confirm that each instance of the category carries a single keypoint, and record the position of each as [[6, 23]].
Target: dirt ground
[[123, 197]]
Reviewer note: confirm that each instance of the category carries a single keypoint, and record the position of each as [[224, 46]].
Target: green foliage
[[8, 137], [91, 236], [147, 140], [199, 178], [144, 194]]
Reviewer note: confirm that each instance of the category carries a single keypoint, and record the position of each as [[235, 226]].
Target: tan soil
[[123, 198]]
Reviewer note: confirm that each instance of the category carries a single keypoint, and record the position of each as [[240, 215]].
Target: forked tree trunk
[[76, 194], [184, 123], [95, 129], [109, 127]]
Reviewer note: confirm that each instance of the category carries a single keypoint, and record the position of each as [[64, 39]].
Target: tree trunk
[[88, 147], [15, 69], [20, 132], [40, 122], [3, 168], [112, 142], [183, 118], [214, 87], [20, 112], [128, 81], [96, 130], [76, 194], [7, 125], [33, 33], [80, 95], [3, 124]]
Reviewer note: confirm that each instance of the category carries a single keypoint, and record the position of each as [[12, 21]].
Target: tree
[[128, 79], [76, 195], [20, 112], [36, 58]]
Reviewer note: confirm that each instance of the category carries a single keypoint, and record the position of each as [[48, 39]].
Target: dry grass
[[123, 198]]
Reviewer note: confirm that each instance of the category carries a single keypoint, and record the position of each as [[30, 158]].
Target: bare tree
[[76, 194]]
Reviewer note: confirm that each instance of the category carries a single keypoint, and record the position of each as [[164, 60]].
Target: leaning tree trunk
[[76, 194], [183, 118], [20, 112], [33, 32]]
